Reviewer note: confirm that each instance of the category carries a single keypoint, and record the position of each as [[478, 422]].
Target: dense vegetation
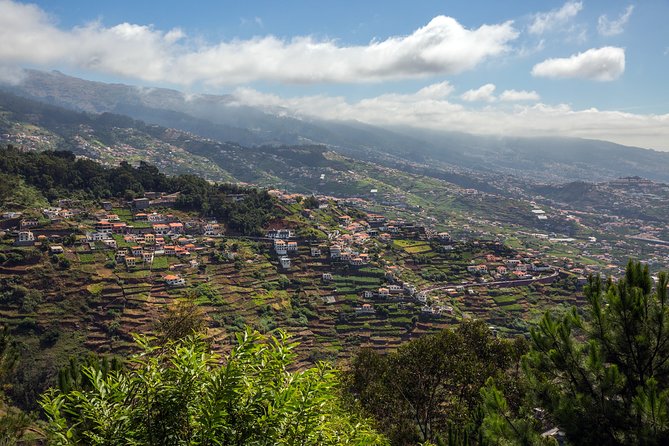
[[428, 389], [179, 394], [60, 174]]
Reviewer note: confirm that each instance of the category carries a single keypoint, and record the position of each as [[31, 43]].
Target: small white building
[[280, 247], [97, 236], [285, 262], [174, 280], [56, 249], [315, 251], [291, 247], [280, 233], [25, 238], [335, 251]]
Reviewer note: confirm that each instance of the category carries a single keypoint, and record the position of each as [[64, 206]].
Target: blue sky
[[581, 68]]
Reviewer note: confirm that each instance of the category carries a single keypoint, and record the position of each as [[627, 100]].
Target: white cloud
[[436, 91], [496, 119], [600, 64], [608, 27], [485, 93], [517, 96], [443, 46], [547, 21]]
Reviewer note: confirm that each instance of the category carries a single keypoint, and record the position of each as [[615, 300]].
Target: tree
[[430, 386], [604, 378], [182, 319], [13, 422], [180, 394]]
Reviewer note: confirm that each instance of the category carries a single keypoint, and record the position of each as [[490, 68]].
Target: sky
[[593, 69]]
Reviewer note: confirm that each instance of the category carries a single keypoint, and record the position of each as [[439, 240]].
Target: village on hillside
[[333, 271]]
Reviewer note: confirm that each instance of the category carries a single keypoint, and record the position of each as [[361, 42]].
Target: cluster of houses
[[500, 268]]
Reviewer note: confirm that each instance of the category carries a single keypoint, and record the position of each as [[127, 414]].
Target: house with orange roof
[[176, 228], [174, 280]]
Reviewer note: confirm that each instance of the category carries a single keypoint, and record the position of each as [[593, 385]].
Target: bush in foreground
[[181, 393]]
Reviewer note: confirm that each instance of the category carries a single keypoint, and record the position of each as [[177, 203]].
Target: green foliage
[[13, 426], [73, 376], [59, 174], [180, 394], [184, 318], [504, 426], [13, 422], [25, 299], [430, 386], [604, 378]]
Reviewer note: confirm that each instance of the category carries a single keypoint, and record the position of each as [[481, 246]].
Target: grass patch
[[95, 288], [86, 258], [160, 262]]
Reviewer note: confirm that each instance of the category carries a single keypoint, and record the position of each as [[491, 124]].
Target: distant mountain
[[547, 159], [220, 117]]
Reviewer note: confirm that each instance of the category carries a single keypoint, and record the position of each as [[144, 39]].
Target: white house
[[97, 236], [394, 289], [291, 247], [280, 247], [25, 238], [285, 262], [175, 280], [110, 243], [315, 251], [280, 233]]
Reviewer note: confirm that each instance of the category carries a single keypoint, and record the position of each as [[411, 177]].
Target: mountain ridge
[[552, 159]]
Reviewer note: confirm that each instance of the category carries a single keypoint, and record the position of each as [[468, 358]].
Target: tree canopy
[[601, 377], [58, 174], [428, 390]]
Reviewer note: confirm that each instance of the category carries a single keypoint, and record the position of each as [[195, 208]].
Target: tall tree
[[429, 387], [604, 378]]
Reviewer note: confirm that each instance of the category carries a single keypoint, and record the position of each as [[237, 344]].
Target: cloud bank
[[423, 110], [443, 46], [600, 64]]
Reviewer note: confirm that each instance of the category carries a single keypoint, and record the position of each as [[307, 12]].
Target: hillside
[[78, 277], [222, 118]]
